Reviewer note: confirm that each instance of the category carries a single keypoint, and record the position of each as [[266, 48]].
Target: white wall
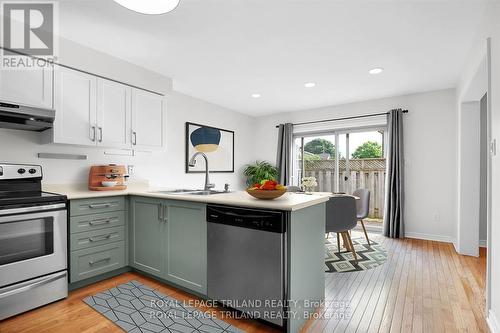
[[468, 178], [490, 29], [79, 56], [430, 149], [483, 197]]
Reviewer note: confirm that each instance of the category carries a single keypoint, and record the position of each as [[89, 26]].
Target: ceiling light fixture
[[151, 7], [310, 84], [256, 95], [376, 70]]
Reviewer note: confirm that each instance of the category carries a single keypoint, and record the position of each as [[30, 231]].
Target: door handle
[[134, 138], [100, 222], [95, 206], [92, 138], [100, 134], [165, 214], [99, 238], [160, 212], [91, 262]]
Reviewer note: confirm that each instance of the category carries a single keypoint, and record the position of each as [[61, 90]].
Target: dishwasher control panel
[[265, 220]]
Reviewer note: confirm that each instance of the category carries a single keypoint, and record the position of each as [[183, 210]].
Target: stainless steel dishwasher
[[246, 261]]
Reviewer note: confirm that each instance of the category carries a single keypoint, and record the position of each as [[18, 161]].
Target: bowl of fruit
[[267, 190]]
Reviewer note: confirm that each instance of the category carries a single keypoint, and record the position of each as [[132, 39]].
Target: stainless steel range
[[33, 241]]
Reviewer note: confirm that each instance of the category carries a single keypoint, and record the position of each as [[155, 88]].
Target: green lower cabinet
[[168, 239], [87, 263], [186, 252], [147, 235]]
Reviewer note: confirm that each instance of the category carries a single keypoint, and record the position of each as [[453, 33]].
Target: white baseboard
[[493, 322], [483, 243], [437, 238]]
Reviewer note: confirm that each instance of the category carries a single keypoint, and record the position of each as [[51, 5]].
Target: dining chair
[[340, 218], [363, 207]]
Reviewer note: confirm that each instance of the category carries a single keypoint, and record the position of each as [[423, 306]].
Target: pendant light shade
[[151, 7]]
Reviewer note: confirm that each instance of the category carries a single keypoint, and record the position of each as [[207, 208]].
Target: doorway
[[343, 161]]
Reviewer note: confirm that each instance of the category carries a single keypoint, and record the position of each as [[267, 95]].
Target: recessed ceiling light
[[256, 95], [310, 84], [376, 70], [149, 6]]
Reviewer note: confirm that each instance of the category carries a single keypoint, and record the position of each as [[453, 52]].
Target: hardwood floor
[[424, 287]]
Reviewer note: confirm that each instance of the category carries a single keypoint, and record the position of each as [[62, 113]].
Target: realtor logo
[[28, 28]]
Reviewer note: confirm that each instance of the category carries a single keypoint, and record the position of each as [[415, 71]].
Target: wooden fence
[[363, 173]]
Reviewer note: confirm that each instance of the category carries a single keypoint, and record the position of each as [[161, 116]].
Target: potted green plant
[[259, 171]]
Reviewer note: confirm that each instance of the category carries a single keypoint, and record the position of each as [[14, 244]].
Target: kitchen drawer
[[96, 205], [97, 260], [93, 238], [96, 221]]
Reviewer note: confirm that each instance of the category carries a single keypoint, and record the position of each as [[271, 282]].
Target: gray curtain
[[394, 200], [284, 157]]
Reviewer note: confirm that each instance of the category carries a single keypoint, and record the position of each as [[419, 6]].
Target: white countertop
[[288, 202]]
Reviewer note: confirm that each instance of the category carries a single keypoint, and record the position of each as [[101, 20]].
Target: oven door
[[32, 242]]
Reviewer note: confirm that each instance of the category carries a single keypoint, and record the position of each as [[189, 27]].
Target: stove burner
[[21, 185]]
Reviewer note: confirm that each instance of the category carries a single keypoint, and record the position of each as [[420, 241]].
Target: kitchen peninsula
[[219, 247]]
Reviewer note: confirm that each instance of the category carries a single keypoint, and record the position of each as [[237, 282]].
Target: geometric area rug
[[137, 308], [369, 256]]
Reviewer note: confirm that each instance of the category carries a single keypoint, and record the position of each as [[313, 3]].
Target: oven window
[[26, 239]]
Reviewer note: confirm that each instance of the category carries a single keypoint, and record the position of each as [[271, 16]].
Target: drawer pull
[[99, 238], [91, 262], [96, 206], [100, 222]]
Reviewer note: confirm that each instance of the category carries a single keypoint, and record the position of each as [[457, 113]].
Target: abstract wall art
[[216, 143]]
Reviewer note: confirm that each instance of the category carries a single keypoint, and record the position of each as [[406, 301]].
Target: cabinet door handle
[[92, 262], [160, 213], [100, 222], [165, 214], [99, 238], [134, 138], [93, 134], [100, 134], [104, 205]]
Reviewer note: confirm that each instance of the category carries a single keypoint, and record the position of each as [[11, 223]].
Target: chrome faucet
[[192, 163]]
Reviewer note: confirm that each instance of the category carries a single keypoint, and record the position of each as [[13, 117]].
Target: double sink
[[191, 192]]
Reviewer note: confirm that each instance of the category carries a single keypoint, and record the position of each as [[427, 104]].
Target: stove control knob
[[32, 171], [21, 171]]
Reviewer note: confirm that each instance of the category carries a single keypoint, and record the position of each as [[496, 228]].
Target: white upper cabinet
[[114, 115], [94, 111], [75, 105], [31, 87], [148, 120]]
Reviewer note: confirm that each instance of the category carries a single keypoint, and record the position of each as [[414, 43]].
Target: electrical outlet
[[436, 217], [130, 170]]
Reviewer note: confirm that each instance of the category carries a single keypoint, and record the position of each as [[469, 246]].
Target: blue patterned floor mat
[[137, 308]]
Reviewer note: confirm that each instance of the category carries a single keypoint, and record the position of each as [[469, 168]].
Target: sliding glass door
[[315, 156], [343, 161]]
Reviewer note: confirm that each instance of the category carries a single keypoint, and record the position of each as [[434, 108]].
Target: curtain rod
[[345, 118]]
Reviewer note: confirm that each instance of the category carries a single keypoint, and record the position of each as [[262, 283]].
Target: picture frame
[[216, 143]]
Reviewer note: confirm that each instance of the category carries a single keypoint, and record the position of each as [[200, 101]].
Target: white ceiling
[[222, 51]]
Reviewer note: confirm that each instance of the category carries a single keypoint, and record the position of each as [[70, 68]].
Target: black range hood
[[28, 118]]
